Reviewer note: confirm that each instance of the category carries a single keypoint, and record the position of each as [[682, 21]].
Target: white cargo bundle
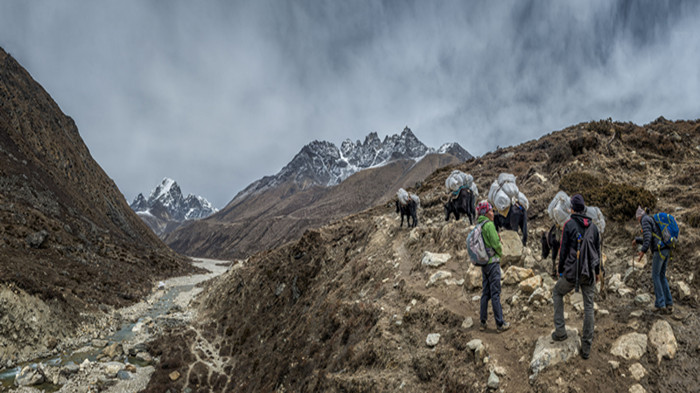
[[403, 196], [505, 178], [415, 199], [498, 197], [457, 179], [475, 190], [523, 200], [559, 208], [504, 190], [597, 216]]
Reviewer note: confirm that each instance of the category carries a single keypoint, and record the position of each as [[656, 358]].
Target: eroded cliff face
[[350, 306], [68, 237]]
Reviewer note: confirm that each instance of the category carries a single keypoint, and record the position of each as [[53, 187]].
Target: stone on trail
[[630, 346], [528, 286], [432, 339], [637, 371], [467, 323], [637, 388], [493, 381], [515, 275], [440, 275], [662, 338], [434, 260], [540, 295], [642, 299], [683, 290], [174, 376], [549, 352]]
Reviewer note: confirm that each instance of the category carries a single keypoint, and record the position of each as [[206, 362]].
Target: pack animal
[[462, 204], [550, 242], [409, 211], [516, 218]]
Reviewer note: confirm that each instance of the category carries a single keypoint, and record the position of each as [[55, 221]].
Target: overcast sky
[[217, 94]]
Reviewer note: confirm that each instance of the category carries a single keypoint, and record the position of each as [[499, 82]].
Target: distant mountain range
[[320, 184], [166, 208], [322, 163]]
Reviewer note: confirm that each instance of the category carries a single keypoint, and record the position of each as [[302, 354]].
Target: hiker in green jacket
[[491, 272]]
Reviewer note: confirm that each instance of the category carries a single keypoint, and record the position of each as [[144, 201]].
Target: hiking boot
[[482, 326], [669, 309], [503, 327], [559, 338], [585, 355]]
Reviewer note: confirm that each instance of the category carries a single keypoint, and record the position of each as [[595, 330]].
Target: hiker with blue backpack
[[579, 269], [485, 250], [659, 234]]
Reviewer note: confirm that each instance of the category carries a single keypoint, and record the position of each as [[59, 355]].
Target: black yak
[[550, 242], [516, 218], [409, 210], [463, 204]]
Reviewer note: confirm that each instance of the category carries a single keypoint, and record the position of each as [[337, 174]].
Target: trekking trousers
[[491, 283], [562, 287], [658, 276]]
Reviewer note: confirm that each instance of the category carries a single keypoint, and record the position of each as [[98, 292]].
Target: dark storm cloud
[[219, 94]]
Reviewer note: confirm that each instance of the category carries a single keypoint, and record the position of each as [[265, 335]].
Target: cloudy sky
[[216, 94]]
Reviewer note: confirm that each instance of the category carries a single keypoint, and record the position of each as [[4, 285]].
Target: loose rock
[[630, 346], [662, 338]]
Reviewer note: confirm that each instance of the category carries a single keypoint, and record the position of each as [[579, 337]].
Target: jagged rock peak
[[167, 196]]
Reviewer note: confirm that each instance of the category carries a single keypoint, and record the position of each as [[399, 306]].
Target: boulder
[[512, 247], [473, 278], [113, 351], [431, 259], [37, 239], [111, 369], [662, 338], [530, 285], [630, 346], [515, 275], [29, 376], [549, 352], [540, 295]]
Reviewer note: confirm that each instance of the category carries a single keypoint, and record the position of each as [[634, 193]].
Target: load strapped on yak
[[403, 197], [503, 193], [458, 180], [559, 211]]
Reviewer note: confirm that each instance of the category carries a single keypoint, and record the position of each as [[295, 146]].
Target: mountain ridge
[[320, 184]]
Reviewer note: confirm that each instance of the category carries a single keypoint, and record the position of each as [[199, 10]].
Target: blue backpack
[[668, 228]]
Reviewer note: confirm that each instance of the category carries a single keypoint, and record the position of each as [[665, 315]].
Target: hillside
[[282, 213], [70, 245], [348, 307]]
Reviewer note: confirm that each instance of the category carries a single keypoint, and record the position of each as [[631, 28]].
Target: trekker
[[491, 272], [579, 266], [660, 256]]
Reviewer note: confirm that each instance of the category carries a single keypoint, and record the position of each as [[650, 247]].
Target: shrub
[[618, 201]]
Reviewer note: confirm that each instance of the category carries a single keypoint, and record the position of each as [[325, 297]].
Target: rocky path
[[120, 363]]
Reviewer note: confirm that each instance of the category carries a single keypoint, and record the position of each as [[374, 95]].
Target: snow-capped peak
[[167, 198]]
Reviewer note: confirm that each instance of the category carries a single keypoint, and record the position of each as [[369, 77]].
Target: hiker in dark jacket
[[491, 272], [574, 229], [664, 301]]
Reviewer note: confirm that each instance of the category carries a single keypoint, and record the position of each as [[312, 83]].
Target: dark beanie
[[577, 203]]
